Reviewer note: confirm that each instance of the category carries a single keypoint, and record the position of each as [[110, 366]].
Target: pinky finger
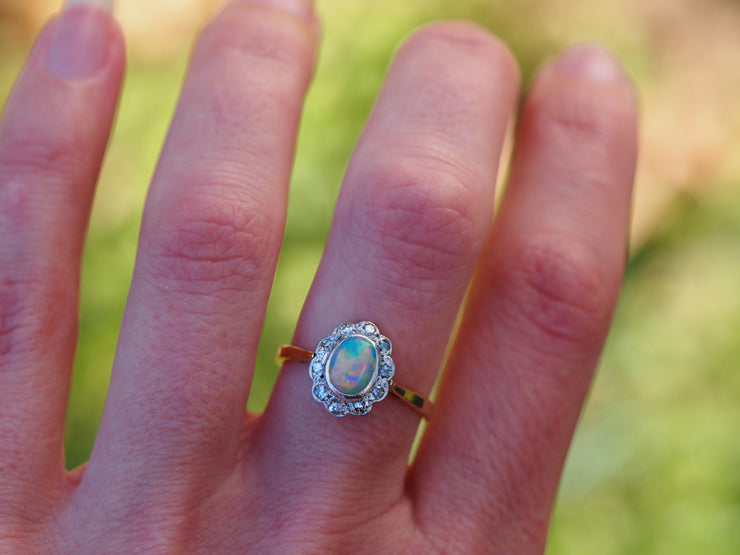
[[538, 312]]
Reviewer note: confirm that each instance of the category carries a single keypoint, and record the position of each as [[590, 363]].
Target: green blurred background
[[655, 466]]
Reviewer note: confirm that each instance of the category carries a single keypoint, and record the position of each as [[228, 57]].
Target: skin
[[177, 466]]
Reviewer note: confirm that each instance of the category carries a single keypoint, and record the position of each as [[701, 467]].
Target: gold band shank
[[411, 399], [291, 352]]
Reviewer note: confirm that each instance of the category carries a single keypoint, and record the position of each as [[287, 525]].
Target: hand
[[177, 467]]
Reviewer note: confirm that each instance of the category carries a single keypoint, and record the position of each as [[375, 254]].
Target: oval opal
[[352, 366]]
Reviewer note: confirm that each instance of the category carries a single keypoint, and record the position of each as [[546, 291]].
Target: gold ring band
[[413, 400]]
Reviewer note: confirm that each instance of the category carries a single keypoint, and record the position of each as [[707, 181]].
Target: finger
[[52, 138], [409, 225], [210, 237], [538, 312]]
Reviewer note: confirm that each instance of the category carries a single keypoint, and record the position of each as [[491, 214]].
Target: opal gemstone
[[352, 365]]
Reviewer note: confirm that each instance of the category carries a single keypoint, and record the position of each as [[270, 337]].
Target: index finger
[[53, 135]]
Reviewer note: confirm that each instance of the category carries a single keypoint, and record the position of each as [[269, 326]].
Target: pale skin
[[177, 466]]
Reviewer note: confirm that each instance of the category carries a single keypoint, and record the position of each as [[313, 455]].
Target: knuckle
[[22, 524], [426, 216], [420, 214], [560, 288], [214, 237], [35, 313], [14, 540], [576, 116], [462, 67], [473, 40], [458, 69], [266, 38], [37, 156]]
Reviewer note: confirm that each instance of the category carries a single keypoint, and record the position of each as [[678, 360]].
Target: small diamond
[[380, 391], [346, 329], [368, 328], [336, 409], [360, 407], [320, 392], [384, 345], [316, 369], [323, 348], [388, 369]]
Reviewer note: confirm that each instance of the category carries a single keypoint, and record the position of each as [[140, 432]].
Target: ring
[[352, 369]]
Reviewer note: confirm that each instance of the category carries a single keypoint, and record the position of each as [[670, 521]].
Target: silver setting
[[377, 389]]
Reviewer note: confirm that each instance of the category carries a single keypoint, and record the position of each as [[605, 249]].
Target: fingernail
[[81, 42], [301, 8], [591, 61]]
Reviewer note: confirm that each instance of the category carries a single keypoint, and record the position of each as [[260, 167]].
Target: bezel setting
[[323, 391]]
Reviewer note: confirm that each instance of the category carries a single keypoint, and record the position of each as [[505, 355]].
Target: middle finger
[[209, 242]]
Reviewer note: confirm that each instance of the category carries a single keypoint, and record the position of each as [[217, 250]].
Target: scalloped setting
[[351, 369]]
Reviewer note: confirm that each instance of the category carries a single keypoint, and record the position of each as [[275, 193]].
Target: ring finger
[[408, 229]]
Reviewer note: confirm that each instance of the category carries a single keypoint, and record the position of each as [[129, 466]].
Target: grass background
[[655, 466]]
